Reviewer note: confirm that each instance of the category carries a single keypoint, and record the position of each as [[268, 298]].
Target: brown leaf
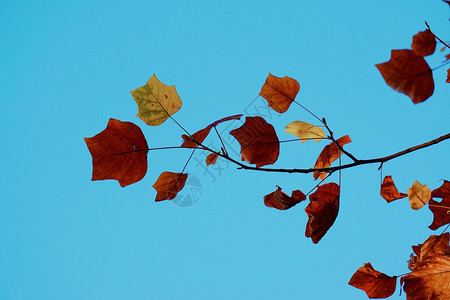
[[423, 43], [409, 74], [388, 190], [282, 201], [447, 57], [440, 210], [435, 244], [119, 152], [418, 195], [429, 280], [279, 92], [211, 159], [373, 282], [328, 155], [258, 140], [322, 210], [201, 135], [168, 185], [448, 76]]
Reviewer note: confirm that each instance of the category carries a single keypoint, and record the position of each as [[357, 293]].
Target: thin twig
[[429, 30]]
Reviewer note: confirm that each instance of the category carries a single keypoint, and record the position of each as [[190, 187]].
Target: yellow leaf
[[305, 131], [418, 195], [156, 101]]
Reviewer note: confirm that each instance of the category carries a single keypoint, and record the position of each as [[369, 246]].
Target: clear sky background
[[69, 66]]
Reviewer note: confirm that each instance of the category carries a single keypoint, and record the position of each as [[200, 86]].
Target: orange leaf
[[279, 92], [282, 201], [258, 140], [409, 74], [119, 152], [388, 190], [423, 43], [447, 57], [211, 159], [328, 155], [429, 280], [322, 210], [418, 195], [435, 244], [168, 185], [201, 135], [441, 210], [373, 282]]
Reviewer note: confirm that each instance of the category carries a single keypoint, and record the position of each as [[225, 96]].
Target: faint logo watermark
[[190, 194]]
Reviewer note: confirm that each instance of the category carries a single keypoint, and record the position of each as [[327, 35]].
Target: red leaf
[[258, 140], [201, 135], [328, 155], [447, 57], [119, 152], [282, 201], [429, 280], [441, 210], [279, 92], [211, 159], [168, 185], [373, 282], [435, 244], [423, 43], [448, 76], [409, 74], [322, 210], [388, 190]]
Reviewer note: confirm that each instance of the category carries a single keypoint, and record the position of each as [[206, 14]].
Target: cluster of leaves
[[430, 263], [120, 152]]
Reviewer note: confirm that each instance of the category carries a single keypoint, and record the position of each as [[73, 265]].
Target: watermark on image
[[190, 194]]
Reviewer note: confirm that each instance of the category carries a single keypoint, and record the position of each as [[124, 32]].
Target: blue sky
[[67, 67]]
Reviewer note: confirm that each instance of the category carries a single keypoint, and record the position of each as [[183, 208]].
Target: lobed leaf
[[409, 74], [168, 185], [418, 195], [388, 190], [119, 152], [440, 210], [259, 141], [156, 101], [322, 210], [429, 280], [282, 201], [373, 282], [435, 244], [279, 92], [305, 131]]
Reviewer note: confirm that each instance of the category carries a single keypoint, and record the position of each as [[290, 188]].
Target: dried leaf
[[440, 210], [373, 282], [211, 159], [258, 140], [423, 43], [447, 57], [418, 195], [305, 131], [119, 152], [201, 135], [282, 201], [388, 190], [435, 244], [322, 210], [156, 101], [168, 185], [409, 74], [328, 155], [429, 280], [448, 76], [279, 92]]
